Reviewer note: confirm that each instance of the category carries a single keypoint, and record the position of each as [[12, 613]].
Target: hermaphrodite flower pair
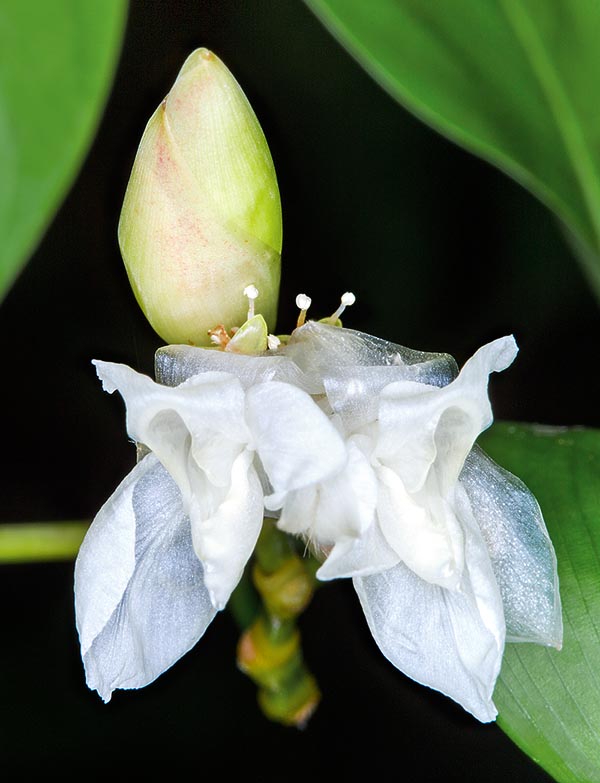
[[363, 448]]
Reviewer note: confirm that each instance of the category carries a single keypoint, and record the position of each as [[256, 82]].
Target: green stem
[[35, 542], [244, 603], [269, 650]]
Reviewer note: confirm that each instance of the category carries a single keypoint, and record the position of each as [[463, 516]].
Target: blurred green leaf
[[56, 62], [514, 81], [549, 701]]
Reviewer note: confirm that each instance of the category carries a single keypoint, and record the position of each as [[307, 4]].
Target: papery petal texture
[[322, 348], [449, 640], [420, 425], [174, 364], [296, 442], [520, 550], [187, 427], [352, 368], [132, 629], [224, 540], [198, 431]]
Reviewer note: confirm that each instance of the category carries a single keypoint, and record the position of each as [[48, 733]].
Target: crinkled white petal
[[202, 418], [449, 640], [225, 538], [520, 549], [176, 363], [329, 356], [322, 347], [422, 529], [340, 506], [295, 440], [361, 555], [140, 597], [420, 424]]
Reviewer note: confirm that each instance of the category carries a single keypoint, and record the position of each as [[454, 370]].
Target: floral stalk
[[35, 542], [269, 651]]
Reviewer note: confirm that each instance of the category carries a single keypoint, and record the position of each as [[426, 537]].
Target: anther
[[347, 299], [303, 302], [251, 292], [218, 336], [273, 342]]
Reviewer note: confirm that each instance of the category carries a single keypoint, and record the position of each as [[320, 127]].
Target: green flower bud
[[201, 218]]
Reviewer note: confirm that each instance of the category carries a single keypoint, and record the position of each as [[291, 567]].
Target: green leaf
[[56, 62], [549, 701], [514, 81]]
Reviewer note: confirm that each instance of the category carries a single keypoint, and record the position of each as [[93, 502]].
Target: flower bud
[[201, 219]]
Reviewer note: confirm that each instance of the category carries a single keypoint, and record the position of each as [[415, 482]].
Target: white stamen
[[214, 338], [273, 342], [303, 302], [347, 299], [251, 291]]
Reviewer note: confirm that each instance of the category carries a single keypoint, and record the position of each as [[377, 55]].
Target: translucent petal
[[451, 641], [324, 349], [106, 559], [296, 442], [176, 363], [520, 549], [225, 539], [420, 425], [163, 608]]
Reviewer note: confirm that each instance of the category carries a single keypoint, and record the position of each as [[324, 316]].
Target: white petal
[[176, 363], [106, 559], [420, 424], [325, 349], [520, 549], [140, 597], [295, 440], [202, 419], [340, 506], [451, 641], [366, 554], [422, 529], [225, 539]]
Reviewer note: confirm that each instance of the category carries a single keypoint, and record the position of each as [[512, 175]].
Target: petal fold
[[174, 364], [421, 424], [296, 442], [140, 596], [225, 539], [449, 640], [520, 549]]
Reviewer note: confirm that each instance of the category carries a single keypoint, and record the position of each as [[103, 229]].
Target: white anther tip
[[303, 301], [348, 299], [273, 342], [251, 291]]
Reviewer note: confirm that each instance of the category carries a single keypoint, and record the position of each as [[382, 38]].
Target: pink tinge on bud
[[201, 218]]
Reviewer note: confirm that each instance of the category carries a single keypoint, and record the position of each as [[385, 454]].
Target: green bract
[[201, 218]]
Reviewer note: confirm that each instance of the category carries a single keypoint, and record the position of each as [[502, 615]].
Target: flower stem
[[269, 650], [34, 542]]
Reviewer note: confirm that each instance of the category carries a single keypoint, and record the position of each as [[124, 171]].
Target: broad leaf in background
[[56, 62], [549, 701], [514, 81]]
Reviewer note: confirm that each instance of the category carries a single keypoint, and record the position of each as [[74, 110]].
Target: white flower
[[363, 447], [448, 552], [167, 549]]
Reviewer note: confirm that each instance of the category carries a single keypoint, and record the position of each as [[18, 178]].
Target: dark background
[[444, 254]]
